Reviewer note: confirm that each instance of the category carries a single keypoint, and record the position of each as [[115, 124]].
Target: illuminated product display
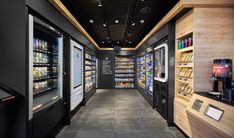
[[124, 72], [90, 71], [46, 65], [149, 73], [141, 72]]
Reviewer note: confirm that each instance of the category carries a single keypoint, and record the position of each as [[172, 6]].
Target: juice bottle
[[46, 46]]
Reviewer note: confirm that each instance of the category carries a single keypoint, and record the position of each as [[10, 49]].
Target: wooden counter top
[[224, 125]]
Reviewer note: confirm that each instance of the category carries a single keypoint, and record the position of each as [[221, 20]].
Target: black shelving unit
[[124, 72]]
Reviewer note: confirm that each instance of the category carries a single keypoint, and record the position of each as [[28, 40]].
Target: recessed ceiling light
[[133, 23], [117, 42], [130, 42], [142, 21], [142, 0], [103, 42], [108, 38], [99, 3], [91, 21], [116, 21]]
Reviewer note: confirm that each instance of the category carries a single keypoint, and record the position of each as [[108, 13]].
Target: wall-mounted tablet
[[197, 104], [214, 112]]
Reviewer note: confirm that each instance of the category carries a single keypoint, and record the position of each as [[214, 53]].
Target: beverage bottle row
[[40, 72], [43, 45], [40, 44], [185, 43], [40, 57]]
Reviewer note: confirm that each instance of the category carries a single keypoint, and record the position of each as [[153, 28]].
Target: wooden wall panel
[[213, 38]]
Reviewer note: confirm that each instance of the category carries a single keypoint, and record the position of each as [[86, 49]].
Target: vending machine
[[45, 76], [76, 59]]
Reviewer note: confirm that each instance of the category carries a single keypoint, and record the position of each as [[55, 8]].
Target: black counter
[[207, 95]]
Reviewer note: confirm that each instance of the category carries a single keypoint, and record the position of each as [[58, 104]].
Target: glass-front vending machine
[[45, 76], [77, 82]]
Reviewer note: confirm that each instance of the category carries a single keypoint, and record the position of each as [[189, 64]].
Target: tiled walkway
[[118, 114]]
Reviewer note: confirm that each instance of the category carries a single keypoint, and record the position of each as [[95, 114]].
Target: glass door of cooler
[[149, 73], [141, 72], [45, 65]]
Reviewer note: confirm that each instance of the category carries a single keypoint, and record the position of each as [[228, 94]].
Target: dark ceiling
[[144, 13]]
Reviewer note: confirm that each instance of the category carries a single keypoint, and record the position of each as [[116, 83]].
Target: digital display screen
[[214, 112], [77, 59], [222, 68]]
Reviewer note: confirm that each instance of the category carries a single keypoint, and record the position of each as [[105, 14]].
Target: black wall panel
[[13, 59]]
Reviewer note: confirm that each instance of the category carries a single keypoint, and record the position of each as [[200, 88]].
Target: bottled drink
[[46, 46]]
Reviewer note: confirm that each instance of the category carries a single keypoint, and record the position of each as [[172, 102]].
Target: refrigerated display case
[[45, 65], [45, 87], [149, 74], [124, 72], [90, 71], [141, 72]]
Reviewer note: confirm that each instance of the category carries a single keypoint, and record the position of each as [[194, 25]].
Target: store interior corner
[[117, 69]]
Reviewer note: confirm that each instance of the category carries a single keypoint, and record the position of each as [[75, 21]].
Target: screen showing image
[[160, 63], [77, 67]]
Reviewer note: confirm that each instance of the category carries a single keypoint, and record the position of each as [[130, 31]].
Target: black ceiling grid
[[145, 13]]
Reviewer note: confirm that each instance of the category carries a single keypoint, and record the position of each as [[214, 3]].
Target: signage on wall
[[106, 66]]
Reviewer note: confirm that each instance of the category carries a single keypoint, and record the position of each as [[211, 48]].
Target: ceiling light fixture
[[130, 42], [105, 24], [109, 41], [99, 3], [116, 21], [91, 21], [142, 21], [117, 42], [133, 23], [108, 38], [103, 42]]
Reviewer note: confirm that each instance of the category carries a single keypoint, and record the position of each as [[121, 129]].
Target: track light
[[99, 3], [133, 23], [105, 24]]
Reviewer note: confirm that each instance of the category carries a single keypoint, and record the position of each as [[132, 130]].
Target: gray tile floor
[[118, 114]]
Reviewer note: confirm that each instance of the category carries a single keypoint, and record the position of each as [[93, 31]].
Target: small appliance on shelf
[[222, 75]]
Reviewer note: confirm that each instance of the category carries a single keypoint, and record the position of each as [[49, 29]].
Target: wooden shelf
[[184, 35], [181, 79], [185, 49], [184, 65]]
